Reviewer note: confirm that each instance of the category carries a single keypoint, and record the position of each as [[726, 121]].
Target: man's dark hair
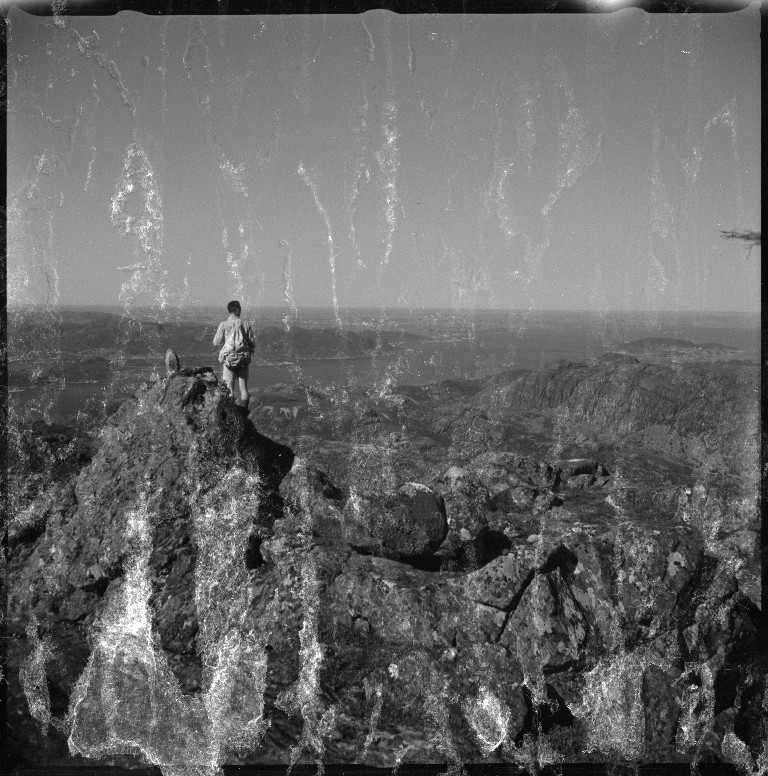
[[233, 307]]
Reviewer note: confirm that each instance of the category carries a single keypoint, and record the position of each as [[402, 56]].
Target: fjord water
[[85, 372]]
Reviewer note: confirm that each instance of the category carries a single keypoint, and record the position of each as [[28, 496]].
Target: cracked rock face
[[216, 581], [548, 629]]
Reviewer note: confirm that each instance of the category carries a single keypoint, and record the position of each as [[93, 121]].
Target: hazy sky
[[547, 161]]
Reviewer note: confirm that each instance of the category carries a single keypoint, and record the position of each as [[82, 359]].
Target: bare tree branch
[[749, 237]]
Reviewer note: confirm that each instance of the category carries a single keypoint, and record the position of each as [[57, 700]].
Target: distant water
[[453, 344]]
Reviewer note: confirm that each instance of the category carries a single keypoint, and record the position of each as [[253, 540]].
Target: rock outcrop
[[201, 594]]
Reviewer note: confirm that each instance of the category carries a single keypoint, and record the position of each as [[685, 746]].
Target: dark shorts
[[230, 373]]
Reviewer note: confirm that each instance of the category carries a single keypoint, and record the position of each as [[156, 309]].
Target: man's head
[[234, 307]]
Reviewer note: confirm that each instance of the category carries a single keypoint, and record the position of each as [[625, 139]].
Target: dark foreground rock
[[201, 594]]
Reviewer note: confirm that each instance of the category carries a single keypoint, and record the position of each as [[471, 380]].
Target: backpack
[[236, 352]]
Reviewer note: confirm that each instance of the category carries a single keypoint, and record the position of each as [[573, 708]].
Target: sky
[[513, 162]]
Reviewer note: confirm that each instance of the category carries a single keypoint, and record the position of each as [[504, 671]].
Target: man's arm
[[218, 338], [251, 339]]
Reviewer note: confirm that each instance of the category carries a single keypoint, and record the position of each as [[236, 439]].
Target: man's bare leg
[[242, 388]]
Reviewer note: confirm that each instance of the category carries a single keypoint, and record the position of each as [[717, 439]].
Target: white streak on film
[[310, 178], [32, 676], [375, 715], [127, 700], [147, 282], [389, 155], [361, 170], [288, 300], [304, 695]]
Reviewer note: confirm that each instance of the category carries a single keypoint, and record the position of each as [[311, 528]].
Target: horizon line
[[385, 308]]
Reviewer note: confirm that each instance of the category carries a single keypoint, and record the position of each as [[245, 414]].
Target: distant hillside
[[646, 344]]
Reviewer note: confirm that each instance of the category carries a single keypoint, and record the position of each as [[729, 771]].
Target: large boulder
[[410, 523]]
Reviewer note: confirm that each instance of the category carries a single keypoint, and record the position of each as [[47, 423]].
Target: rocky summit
[[533, 568]]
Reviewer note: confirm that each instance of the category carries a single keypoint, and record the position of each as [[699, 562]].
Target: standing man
[[235, 337]]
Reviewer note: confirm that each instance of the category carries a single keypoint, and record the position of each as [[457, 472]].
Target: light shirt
[[225, 326]]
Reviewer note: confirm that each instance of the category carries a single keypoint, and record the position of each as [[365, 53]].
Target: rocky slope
[[555, 565]]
